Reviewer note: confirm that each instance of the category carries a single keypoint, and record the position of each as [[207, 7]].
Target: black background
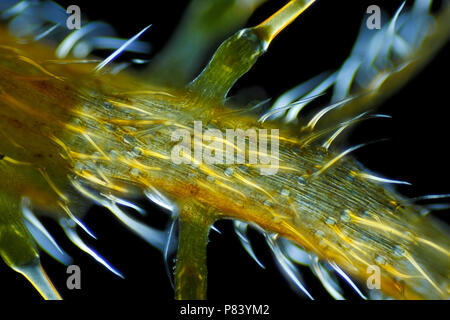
[[320, 40]]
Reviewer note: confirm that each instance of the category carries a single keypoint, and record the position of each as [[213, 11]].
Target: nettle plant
[[78, 131]]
